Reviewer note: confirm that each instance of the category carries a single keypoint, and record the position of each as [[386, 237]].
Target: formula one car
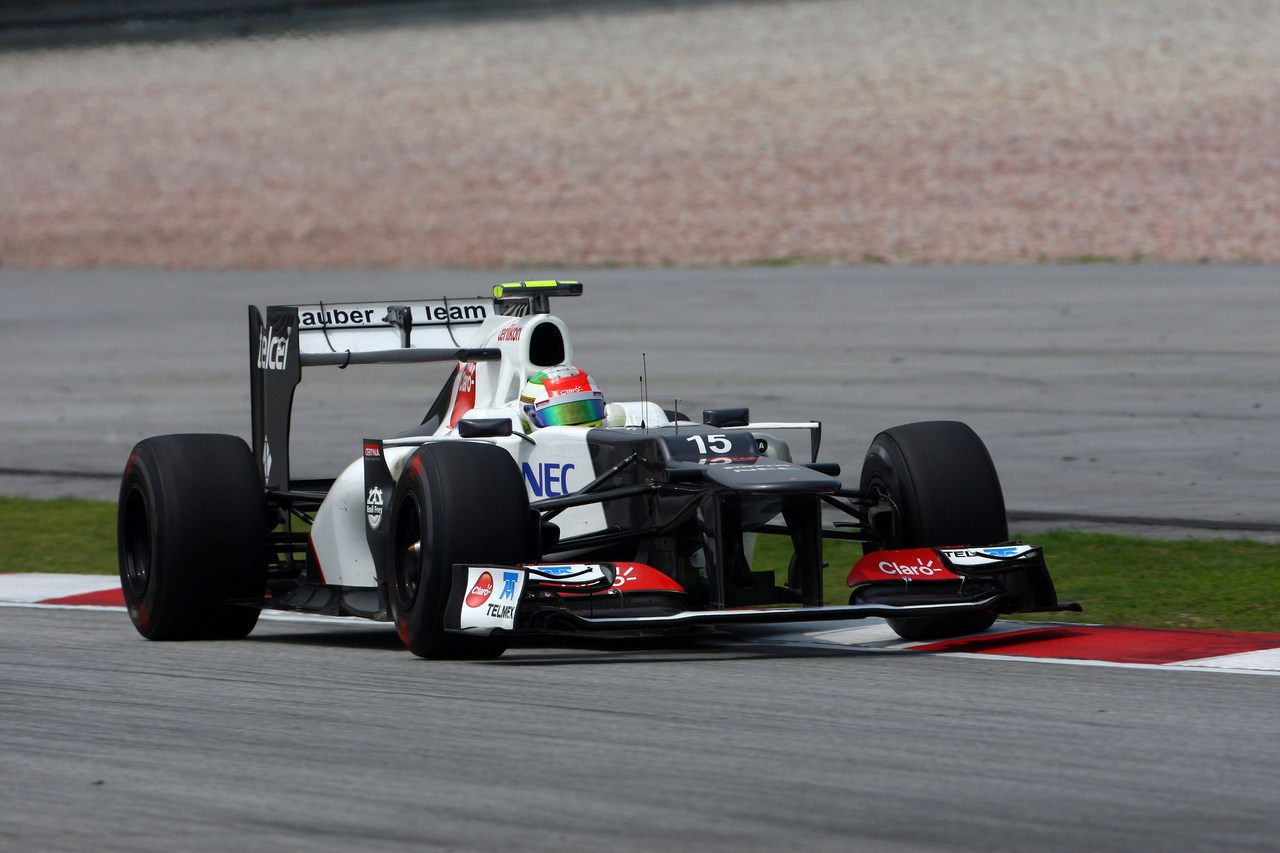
[[501, 514]]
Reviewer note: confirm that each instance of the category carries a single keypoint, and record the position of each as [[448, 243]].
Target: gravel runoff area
[[935, 131]]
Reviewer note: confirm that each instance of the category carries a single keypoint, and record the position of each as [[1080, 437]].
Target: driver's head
[[562, 396]]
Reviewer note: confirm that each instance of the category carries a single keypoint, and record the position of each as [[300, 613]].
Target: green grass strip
[[63, 535], [1228, 585], [1121, 580]]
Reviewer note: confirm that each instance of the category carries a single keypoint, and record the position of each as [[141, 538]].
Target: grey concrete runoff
[[1132, 397]]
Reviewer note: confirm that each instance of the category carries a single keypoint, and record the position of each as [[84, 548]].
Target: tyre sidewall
[[945, 492], [941, 480], [140, 524], [201, 502], [471, 507], [418, 613]]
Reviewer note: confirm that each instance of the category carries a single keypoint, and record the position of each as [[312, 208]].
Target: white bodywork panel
[[338, 532], [558, 464], [495, 384]]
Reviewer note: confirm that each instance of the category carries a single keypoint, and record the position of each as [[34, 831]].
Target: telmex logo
[[995, 553], [481, 591], [891, 568], [559, 571]]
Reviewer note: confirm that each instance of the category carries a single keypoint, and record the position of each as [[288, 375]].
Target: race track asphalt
[[1109, 391], [1116, 391], [306, 738]]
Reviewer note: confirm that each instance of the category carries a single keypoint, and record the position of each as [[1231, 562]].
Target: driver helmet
[[562, 396]]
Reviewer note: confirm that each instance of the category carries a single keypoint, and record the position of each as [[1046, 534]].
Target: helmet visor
[[570, 414]]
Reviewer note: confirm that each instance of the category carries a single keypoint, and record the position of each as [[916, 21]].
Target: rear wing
[[341, 334]]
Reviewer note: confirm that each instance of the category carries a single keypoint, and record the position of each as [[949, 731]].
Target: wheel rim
[[137, 543], [877, 486], [407, 549]]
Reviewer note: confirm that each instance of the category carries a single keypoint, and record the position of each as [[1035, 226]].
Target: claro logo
[[924, 570], [273, 349], [481, 591]]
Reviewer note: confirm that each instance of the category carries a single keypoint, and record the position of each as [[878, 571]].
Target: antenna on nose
[[644, 389]]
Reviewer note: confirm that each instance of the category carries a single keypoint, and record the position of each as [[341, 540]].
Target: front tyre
[[944, 489], [456, 502], [191, 537]]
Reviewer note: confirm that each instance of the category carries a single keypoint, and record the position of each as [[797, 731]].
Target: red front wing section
[[581, 579], [910, 564]]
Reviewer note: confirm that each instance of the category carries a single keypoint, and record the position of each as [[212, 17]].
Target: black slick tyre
[[940, 478], [191, 537], [455, 502]]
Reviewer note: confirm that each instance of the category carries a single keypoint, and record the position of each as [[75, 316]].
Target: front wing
[[490, 599]]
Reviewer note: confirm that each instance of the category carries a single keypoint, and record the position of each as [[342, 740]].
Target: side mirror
[[726, 417], [484, 427]]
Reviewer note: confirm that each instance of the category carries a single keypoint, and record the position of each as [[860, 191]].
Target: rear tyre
[[940, 478], [456, 502], [191, 536]]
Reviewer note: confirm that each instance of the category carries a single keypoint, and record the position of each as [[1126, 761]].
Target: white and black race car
[[470, 529]]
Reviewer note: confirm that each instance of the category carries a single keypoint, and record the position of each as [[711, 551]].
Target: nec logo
[[548, 479]]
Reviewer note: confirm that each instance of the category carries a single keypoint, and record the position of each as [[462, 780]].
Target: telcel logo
[[273, 349]]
